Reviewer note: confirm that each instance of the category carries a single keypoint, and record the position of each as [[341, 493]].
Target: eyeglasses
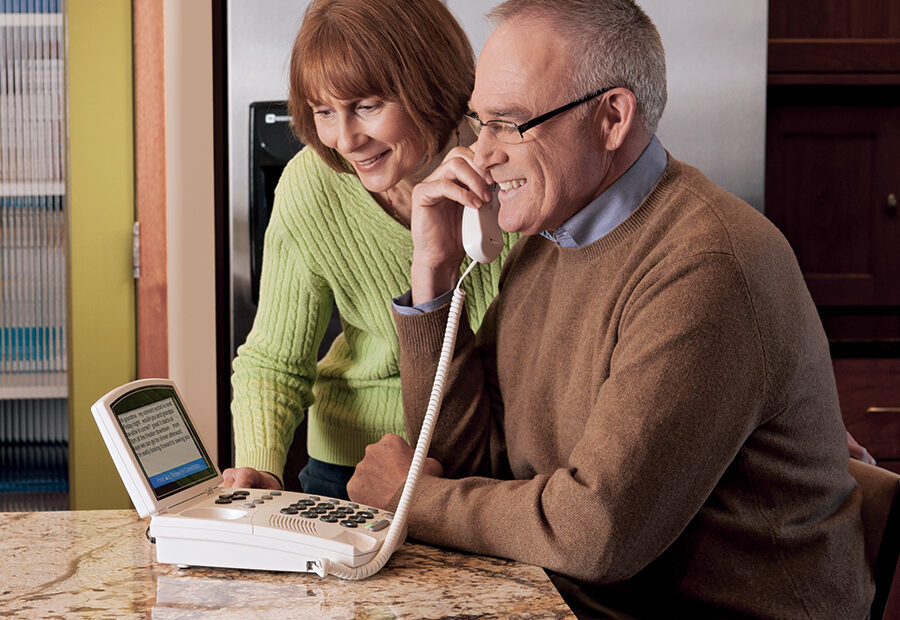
[[510, 133]]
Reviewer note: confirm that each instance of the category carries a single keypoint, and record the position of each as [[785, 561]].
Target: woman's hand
[[437, 204], [857, 451], [249, 478]]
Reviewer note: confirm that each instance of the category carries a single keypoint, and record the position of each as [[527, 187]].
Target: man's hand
[[383, 471], [436, 221], [249, 478]]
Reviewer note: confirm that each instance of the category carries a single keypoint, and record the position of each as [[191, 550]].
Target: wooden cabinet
[[832, 182], [833, 165], [832, 186], [834, 41]]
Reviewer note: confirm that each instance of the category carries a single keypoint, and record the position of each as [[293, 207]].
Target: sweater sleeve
[[675, 400], [275, 368], [467, 438]]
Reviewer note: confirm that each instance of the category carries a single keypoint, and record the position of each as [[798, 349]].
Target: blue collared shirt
[[596, 220], [615, 204]]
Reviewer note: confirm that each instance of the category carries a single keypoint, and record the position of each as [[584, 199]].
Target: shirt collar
[[616, 203]]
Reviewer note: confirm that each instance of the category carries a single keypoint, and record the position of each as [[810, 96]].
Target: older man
[[649, 407]]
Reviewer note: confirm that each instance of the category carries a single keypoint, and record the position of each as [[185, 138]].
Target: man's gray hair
[[612, 43]]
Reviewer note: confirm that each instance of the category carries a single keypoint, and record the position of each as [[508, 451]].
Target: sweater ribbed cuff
[[262, 459], [423, 333]]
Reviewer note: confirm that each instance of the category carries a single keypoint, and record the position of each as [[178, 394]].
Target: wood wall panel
[[150, 188]]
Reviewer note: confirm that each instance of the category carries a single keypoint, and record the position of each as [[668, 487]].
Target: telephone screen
[[163, 439]]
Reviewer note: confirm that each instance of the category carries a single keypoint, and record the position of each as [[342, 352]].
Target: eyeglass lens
[[504, 131]]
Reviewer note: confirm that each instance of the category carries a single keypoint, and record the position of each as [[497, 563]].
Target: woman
[[377, 92]]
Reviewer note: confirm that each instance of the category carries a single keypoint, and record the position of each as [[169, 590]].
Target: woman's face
[[377, 137]]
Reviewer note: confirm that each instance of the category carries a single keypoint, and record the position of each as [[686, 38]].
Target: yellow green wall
[[101, 211]]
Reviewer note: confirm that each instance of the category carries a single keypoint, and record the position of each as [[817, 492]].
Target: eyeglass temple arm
[[543, 117]]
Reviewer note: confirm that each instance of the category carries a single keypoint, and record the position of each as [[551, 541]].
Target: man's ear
[[616, 117]]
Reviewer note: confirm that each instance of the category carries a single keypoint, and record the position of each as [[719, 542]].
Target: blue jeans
[[320, 478]]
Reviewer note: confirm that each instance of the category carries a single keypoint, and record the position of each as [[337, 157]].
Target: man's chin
[[509, 222]]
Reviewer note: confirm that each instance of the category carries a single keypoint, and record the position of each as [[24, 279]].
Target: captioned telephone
[[196, 522]]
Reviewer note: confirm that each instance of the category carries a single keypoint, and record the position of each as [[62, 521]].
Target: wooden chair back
[[881, 522]]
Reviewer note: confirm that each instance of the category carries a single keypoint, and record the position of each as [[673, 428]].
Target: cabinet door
[[830, 171]]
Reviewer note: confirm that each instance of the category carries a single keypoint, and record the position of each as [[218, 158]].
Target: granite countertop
[[98, 564]]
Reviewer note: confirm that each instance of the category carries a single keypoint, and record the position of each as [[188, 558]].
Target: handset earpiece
[[482, 236]]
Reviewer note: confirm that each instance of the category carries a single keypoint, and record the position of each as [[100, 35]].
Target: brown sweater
[[653, 414]]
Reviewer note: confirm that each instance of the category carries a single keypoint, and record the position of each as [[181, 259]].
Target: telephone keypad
[[348, 514]]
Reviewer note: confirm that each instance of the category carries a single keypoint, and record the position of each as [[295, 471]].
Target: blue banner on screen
[[177, 473]]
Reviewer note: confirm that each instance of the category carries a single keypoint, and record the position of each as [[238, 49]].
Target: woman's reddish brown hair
[[412, 52]]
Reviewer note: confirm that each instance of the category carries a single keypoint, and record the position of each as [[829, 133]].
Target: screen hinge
[[136, 250]]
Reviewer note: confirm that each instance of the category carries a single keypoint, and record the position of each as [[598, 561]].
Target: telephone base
[[269, 534]]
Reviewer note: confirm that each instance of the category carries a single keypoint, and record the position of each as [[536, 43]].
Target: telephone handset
[[482, 236]]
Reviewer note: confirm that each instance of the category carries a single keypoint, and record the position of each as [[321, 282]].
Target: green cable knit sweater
[[328, 242]]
